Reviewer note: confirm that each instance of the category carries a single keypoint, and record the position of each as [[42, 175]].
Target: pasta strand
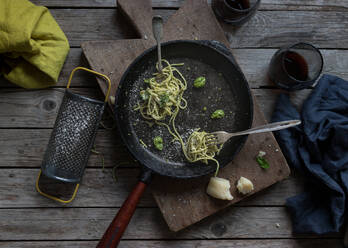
[[164, 98]]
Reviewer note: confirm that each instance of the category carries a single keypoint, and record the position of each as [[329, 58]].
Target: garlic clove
[[219, 188], [244, 185]]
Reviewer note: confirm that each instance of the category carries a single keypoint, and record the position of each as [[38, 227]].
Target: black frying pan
[[226, 89]]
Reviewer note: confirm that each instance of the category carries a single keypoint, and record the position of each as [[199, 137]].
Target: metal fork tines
[[220, 137], [216, 138]]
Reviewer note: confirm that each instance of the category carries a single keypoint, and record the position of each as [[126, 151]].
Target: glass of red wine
[[296, 67], [235, 12]]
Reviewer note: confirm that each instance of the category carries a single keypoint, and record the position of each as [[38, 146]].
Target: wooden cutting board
[[184, 202]]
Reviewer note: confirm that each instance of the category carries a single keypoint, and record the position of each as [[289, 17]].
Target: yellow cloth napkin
[[33, 48]]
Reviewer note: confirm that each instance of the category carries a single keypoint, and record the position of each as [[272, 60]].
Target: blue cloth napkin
[[319, 149]]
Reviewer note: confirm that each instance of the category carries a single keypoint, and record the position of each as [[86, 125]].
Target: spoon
[[157, 30]]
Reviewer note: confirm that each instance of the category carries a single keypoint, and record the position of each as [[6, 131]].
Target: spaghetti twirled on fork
[[164, 98]]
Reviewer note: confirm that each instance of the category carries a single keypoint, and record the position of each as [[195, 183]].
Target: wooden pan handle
[[113, 234]]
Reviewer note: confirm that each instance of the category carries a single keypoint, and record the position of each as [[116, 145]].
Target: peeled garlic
[[219, 188], [112, 100], [244, 185], [261, 154]]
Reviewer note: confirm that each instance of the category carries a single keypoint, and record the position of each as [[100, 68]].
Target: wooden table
[[27, 117]]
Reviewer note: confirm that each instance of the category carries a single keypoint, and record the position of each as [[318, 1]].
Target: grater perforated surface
[[72, 137]]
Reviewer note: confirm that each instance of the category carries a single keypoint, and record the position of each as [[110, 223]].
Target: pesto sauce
[[217, 114], [158, 142], [199, 82]]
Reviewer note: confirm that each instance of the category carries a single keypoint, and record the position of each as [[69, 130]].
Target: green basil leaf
[[262, 162]]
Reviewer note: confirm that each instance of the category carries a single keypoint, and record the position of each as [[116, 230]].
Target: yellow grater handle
[[54, 197], [94, 72]]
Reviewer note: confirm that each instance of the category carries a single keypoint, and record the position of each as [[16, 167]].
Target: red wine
[[238, 4], [296, 66]]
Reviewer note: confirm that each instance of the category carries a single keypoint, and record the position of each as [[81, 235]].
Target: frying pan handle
[[113, 234]]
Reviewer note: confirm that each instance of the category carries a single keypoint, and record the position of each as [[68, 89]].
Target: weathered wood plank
[[29, 150], [72, 3], [93, 24], [273, 4], [147, 223], [98, 189], [254, 63], [258, 243], [265, 4], [24, 108], [322, 28], [268, 29], [38, 108], [35, 106]]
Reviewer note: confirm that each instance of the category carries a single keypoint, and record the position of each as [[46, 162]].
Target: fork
[[220, 137]]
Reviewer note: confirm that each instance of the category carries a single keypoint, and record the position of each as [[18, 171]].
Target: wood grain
[[265, 29], [138, 16], [257, 243], [98, 189], [147, 223], [72, 3], [268, 29], [38, 108], [105, 24], [254, 63], [30, 150], [274, 4], [320, 28], [340, 5]]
